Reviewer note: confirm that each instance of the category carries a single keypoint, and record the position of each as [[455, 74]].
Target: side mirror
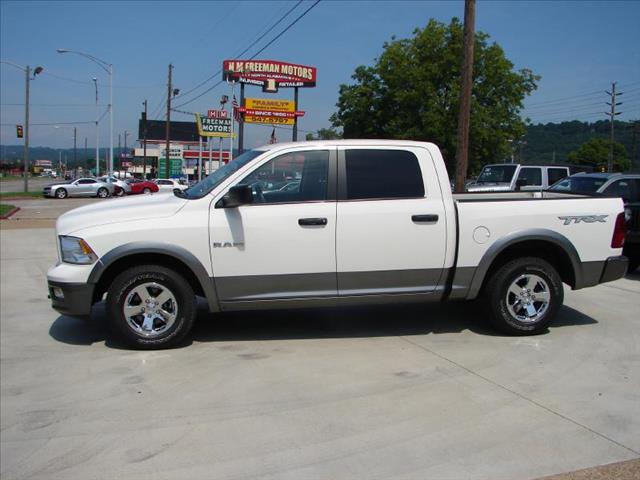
[[520, 184], [236, 196]]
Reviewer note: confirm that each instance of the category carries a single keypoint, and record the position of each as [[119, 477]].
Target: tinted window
[[496, 174], [530, 176], [164, 182], [620, 188], [383, 174], [556, 174], [578, 184], [304, 173], [86, 181]]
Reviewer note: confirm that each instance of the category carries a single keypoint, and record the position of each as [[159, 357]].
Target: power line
[[51, 104], [286, 29], [237, 55], [83, 82], [255, 54]]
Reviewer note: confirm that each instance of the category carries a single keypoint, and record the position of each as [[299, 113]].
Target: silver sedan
[[82, 187]]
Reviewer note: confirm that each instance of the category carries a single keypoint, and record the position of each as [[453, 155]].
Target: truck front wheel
[[151, 307], [523, 296]]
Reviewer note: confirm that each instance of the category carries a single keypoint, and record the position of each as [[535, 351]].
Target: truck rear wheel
[[523, 296], [151, 307]]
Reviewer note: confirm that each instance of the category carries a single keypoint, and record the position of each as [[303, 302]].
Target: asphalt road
[[35, 184], [407, 393]]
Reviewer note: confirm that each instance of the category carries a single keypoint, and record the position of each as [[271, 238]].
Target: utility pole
[[27, 71], [75, 145], [462, 152], [294, 135], [612, 116], [634, 147], [144, 141], [26, 131], [168, 126], [119, 149], [240, 126]]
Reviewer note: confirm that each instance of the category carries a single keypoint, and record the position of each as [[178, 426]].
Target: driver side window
[[291, 178]]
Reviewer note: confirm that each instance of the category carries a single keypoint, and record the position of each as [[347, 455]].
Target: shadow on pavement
[[352, 322], [633, 276]]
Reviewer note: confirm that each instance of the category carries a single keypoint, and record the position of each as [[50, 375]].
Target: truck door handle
[[312, 221], [424, 218]]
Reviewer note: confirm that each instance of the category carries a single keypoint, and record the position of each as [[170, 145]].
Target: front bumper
[[76, 299]]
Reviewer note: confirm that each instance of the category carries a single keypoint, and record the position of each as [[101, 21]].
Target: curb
[[5, 217]]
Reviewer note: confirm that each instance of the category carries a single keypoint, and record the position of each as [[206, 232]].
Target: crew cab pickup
[[364, 222]]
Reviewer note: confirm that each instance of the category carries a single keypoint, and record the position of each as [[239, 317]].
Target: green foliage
[[595, 153], [325, 134], [556, 140], [412, 92]]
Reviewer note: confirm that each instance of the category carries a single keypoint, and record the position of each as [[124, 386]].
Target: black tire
[[634, 263], [102, 193], [496, 296], [120, 193], [146, 190], [61, 193], [121, 291]]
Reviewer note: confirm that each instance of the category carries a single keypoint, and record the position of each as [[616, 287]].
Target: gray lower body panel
[[327, 288]]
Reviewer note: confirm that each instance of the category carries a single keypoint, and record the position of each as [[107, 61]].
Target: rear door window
[[378, 174], [556, 174], [619, 188], [531, 176]]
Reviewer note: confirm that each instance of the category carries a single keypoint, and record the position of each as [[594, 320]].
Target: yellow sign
[[269, 120], [269, 104]]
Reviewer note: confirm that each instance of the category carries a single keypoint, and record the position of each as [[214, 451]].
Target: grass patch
[[5, 208], [21, 194]]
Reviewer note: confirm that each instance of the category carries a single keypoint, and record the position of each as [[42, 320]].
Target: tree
[[595, 153], [412, 92], [324, 134]]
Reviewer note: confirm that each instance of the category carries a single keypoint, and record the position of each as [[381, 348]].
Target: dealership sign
[[270, 111], [269, 74], [214, 126]]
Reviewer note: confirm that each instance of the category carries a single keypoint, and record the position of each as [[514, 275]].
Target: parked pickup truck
[[509, 177], [369, 222]]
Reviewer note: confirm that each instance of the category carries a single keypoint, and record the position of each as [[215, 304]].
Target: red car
[[141, 186]]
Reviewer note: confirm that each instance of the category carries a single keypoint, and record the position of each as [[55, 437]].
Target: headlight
[[76, 250]]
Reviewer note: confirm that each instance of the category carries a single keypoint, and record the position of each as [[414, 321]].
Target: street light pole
[[95, 83], [107, 67]]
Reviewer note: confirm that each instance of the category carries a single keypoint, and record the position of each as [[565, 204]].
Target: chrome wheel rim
[[61, 194], [528, 298], [102, 193], [150, 309]]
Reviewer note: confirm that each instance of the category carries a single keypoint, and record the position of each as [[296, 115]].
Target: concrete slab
[[405, 392]]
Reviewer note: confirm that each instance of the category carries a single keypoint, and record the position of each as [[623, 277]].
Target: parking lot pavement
[[406, 392]]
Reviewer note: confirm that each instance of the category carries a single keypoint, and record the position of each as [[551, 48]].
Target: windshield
[[578, 184], [496, 174], [203, 187]]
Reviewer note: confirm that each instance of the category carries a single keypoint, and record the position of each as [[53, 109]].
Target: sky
[[578, 48]]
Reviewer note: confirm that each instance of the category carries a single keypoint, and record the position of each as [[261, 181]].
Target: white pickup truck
[[330, 223]]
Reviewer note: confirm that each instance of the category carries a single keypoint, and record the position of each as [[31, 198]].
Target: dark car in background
[[623, 185]]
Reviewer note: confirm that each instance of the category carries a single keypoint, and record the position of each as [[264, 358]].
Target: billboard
[[269, 74], [179, 131], [213, 126], [270, 111]]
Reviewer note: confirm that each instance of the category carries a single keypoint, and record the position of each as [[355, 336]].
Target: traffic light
[[19, 131]]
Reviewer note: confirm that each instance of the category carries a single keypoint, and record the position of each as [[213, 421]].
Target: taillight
[[619, 232]]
